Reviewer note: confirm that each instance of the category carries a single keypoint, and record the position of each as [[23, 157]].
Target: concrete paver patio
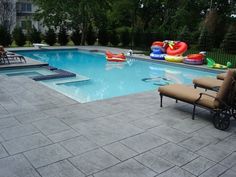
[[44, 133]]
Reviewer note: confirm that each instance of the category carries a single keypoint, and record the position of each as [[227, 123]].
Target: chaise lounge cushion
[[224, 89], [187, 94], [221, 76], [207, 82]]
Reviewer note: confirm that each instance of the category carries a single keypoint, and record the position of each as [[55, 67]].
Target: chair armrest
[[221, 101], [207, 95]]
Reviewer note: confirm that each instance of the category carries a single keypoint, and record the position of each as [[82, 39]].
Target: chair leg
[[161, 97], [8, 61], [23, 58], [194, 108]]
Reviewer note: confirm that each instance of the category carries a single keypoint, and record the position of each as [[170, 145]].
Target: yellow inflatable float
[[172, 58]]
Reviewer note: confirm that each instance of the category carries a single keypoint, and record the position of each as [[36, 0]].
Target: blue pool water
[[109, 79]]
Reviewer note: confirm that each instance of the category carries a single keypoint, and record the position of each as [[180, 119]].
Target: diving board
[[39, 45]]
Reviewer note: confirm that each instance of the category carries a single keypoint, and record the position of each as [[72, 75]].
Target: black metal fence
[[218, 55]]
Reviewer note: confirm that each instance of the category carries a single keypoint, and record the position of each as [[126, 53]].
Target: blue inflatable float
[[157, 53]]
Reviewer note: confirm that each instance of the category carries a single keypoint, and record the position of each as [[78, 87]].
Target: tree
[[103, 37], [53, 13], [76, 37], [91, 37], [19, 36], [205, 40], [164, 18], [185, 35], [229, 42], [50, 37], [73, 13], [113, 38], [86, 12], [124, 36], [146, 11], [62, 37], [5, 37], [35, 36]]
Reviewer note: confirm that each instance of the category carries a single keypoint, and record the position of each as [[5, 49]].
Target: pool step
[[60, 74], [48, 67], [78, 78]]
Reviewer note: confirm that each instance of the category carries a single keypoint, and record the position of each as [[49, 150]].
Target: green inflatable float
[[212, 64]]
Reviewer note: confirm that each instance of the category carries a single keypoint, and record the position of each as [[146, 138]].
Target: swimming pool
[[107, 79]]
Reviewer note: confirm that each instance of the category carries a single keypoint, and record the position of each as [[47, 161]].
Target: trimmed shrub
[[35, 36], [5, 37], [76, 37], [103, 37], [113, 38], [229, 42], [137, 39], [147, 38], [125, 37], [91, 37], [62, 37], [50, 37], [19, 36]]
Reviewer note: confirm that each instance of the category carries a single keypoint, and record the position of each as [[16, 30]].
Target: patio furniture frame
[[222, 113]]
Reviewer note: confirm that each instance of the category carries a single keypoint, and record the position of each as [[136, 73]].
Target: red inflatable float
[[194, 59], [115, 57], [195, 56], [177, 49]]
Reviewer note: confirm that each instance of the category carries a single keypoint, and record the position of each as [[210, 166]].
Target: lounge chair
[[7, 56], [5, 51], [15, 57], [3, 58], [221, 103], [207, 83], [221, 76]]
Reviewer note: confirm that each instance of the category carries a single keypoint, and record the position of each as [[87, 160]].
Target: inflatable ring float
[[195, 56], [157, 56], [115, 57], [193, 61], [178, 49], [171, 58]]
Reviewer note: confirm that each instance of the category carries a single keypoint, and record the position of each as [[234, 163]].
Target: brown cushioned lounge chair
[[220, 103], [207, 83], [221, 76]]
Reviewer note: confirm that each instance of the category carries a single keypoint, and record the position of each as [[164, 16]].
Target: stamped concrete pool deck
[[46, 134]]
